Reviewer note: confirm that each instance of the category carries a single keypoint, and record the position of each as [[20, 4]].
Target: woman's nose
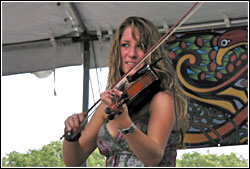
[[133, 52]]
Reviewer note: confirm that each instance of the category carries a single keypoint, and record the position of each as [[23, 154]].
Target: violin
[[142, 86], [137, 90], [144, 78]]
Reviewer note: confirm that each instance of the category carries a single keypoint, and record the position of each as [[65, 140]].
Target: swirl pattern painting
[[213, 70]]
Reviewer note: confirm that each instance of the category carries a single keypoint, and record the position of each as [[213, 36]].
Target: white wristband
[[128, 130]]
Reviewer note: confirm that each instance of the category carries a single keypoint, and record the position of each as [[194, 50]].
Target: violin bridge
[[153, 73]]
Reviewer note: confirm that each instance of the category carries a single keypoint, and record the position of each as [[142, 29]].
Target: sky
[[31, 116]]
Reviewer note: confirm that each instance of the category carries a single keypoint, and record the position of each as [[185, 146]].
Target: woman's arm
[[75, 153], [150, 148]]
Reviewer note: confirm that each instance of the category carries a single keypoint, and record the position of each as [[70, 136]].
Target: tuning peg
[[108, 110], [111, 116]]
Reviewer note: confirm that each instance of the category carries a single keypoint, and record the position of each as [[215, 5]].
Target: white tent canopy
[[44, 35]]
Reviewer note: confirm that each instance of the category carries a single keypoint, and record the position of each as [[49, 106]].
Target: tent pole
[[86, 63]]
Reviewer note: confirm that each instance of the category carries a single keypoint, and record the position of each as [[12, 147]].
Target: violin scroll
[[116, 106]]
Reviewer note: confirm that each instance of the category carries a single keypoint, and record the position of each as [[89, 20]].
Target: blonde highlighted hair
[[149, 35]]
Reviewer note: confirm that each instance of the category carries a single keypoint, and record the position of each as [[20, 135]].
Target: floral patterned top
[[117, 152]]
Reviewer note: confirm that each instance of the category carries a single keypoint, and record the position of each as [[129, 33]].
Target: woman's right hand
[[73, 122]]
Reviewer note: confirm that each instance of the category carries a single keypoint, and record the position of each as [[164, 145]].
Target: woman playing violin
[[149, 136]]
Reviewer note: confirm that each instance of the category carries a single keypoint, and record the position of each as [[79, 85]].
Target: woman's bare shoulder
[[162, 97], [162, 103]]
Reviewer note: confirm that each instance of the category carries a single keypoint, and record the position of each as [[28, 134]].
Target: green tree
[[48, 156], [51, 156], [211, 160], [96, 159]]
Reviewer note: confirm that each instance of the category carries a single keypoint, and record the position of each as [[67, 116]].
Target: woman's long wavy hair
[[149, 35]]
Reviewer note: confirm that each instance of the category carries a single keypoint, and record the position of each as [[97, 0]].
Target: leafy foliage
[[48, 156], [51, 156], [211, 160], [96, 159]]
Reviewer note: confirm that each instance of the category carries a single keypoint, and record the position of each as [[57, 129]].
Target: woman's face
[[131, 51]]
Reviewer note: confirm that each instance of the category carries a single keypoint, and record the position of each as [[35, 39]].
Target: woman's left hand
[[123, 119]]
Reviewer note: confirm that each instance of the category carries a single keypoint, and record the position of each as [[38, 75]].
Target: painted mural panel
[[213, 69]]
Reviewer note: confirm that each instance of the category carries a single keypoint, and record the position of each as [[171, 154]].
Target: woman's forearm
[[145, 148], [72, 153]]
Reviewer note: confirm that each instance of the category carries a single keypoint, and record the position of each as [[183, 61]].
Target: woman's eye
[[124, 45]]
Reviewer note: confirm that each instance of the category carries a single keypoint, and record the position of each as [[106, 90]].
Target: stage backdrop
[[212, 66]]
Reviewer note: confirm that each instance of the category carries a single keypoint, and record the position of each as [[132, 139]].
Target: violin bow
[[173, 29]]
